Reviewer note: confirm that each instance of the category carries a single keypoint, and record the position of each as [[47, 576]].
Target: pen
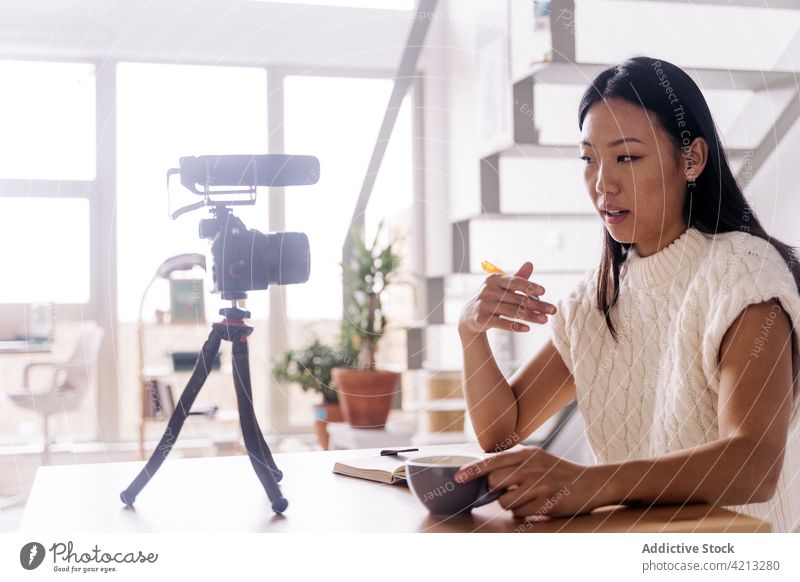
[[390, 452]]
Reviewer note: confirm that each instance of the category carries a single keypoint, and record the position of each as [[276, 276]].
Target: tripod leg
[[257, 449], [202, 367], [241, 381]]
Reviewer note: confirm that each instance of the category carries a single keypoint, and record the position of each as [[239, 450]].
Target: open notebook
[[389, 469]]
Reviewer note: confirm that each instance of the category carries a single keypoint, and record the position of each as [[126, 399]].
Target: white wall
[[774, 191]]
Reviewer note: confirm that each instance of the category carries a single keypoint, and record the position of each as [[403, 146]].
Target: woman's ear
[[694, 156]]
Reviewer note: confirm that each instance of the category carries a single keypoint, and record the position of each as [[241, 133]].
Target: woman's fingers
[[510, 476], [486, 466], [536, 506], [485, 317], [523, 497], [520, 306], [519, 296], [505, 477], [512, 312], [511, 283], [498, 322], [505, 302]]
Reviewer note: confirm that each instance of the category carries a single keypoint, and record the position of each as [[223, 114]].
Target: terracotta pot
[[324, 414], [365, 395]]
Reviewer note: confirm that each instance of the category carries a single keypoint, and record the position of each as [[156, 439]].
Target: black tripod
[[235, 330]]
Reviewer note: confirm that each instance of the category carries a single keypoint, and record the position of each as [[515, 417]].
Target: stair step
[[554, 244]]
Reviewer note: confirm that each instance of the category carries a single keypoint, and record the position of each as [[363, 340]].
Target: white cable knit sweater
[[656, 390]]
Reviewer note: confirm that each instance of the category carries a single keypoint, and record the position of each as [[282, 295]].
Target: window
[[337, 120], [46, 250], [340, 129], [47, 121], [47, 140]]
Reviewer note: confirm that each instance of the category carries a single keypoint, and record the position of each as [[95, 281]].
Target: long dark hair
[[668, 92]]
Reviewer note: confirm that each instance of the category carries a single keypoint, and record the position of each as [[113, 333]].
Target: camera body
[[247, 259]]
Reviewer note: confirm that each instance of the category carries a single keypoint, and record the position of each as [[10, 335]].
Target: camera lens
[[288, 258]]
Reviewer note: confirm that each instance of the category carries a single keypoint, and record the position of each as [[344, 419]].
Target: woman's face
[[632, 164]]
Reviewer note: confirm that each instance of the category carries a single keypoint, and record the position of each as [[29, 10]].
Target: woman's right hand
[[513, 297]]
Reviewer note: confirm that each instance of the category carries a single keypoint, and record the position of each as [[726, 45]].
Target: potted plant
[[366, 392], [310, 367]]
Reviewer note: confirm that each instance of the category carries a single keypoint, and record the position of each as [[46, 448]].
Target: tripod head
[[234, 313]]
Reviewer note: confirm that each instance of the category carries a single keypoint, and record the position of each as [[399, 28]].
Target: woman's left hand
[[540, 484]]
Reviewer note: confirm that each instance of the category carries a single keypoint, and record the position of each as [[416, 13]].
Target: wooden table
[[222, 494]]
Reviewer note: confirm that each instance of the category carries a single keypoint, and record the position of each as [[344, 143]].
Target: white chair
[[69, 383]]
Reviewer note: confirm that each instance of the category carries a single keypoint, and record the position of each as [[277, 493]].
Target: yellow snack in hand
[[490, 268]]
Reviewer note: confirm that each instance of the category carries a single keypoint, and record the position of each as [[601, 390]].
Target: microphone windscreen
[[276, 170]]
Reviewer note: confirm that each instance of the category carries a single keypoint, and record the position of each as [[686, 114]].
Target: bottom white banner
[[389, 557]]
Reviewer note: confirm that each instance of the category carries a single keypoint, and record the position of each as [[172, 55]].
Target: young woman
[[681, 347]]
